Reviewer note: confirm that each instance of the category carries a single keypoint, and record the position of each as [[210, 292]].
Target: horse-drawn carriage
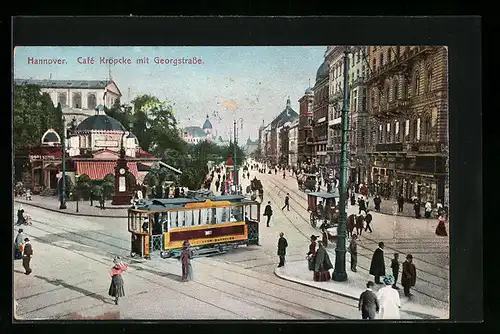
[[306, 182], [323, 207]]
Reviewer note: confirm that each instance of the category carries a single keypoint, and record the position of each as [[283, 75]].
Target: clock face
[[122, 171]]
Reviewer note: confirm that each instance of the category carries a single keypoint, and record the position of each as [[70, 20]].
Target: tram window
[[182, 218], [165, 221], [219, 214], [236, 214], [205, 216], [224, 214], [214, 216]]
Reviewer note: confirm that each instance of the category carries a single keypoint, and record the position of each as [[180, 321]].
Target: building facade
[[251, 147], [78, 98], [358, 115], [320, 113], [305, 145], [293, 143], [408, 104], [196, 134]]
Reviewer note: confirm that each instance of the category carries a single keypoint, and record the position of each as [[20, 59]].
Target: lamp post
[[339, 273], [235, 144], [62, 205]]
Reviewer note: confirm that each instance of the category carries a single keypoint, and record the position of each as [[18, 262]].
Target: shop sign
[[394, 147]]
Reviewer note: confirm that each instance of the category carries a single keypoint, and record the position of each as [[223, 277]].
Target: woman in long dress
[[322, 264], [441, 228], [116, 289], [389, 301], [18, 251], [185, 258]]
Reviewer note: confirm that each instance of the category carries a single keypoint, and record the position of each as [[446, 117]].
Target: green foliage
[[69, 186], [108, 185], [83, 185], [34, 113]]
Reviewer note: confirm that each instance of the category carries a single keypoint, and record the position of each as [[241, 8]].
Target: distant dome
[[323, 71], [100, 122], [309, 91], [207, 124], [50, 136]]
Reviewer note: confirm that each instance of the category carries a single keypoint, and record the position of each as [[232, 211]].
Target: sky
[[251, 83]]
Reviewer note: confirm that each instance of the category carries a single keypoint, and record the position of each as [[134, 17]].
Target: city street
[[72, 258]]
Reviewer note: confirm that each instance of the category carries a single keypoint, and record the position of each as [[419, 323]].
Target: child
[[395, 269]]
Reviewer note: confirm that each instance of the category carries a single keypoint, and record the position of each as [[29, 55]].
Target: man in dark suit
[[268, 212], [287, 202], [377, 266], [368, 302], [27, 254], [282, 245]]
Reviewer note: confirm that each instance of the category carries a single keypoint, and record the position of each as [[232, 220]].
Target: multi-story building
[[357, 159], [251, 146], [293, 141], [78, 98], [408, 103], [305, 145], [320, 113], [283, 148], [196, 134]]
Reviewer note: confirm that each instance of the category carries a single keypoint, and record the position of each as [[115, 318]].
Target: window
[[355, 104], [91, 101], [416, 83], [414, 127], [407, 129], [396, 89], [418, 129], [396, 132], [62, 99], [427, 129], [428, 81], [381, 62], [388, 133], [380, 133], [77, 100]]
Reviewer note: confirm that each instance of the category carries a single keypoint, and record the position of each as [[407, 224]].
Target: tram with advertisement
[[211, 224]]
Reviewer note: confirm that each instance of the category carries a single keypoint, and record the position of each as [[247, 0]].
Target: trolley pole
[[62, 206], [339, 273], [234, 158]]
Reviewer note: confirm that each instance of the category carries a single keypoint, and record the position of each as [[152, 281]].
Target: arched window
[[428, 81], [414, 130], [416, 83], [77, 100], [427, 134], [397, 132], [62, 99], [380, 133], [388, 138], [91, 101]]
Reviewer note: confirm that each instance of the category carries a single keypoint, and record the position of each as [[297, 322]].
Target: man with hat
[[368, 302], [185, 258], [353, 249], [268, 212], [377, 266], [409, 275], [27, 254], [282, 245]]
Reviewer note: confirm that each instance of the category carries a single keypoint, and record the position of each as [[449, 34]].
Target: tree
[[33, 114], [108, 185], [69, 187], [83, 184]]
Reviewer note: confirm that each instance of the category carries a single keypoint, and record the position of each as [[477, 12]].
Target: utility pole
[[339, 273], [62, 206]]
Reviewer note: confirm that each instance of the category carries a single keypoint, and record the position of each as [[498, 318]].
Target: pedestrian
[[268, 212], [377, 266], [284, 174], [322, 264], [287, 202], [353, 199], [217, 184], [389, 300], [361, 204], [248, 175], [376, 202], [368, 220], [359, 224], [395, 270], [409, 275], [185, 258], [20, 216], [416, 208], [116, 288], [27, 254], [282, 245], [427, 210], [351, 224], [441, 228], [368, 302], [312, 252], [401, 202], [353, 249], [18, 245]]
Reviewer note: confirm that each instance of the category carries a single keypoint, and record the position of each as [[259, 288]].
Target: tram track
[[274, 199], [365, 237], [77, 238]]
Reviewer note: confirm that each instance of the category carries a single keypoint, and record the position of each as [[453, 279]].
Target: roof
[[309, 91], [100, 122], [162, 204], [143, 154], [50, 136], [229, 161], [207, 124], [97, 170], [89, 84], [323, 71], [195, 131], [287, 115], [324, 194]]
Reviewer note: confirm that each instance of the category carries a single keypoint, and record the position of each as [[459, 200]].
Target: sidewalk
[[84, 208], [352, 288]]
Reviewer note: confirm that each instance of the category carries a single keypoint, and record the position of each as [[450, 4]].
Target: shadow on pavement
[[87, 293], [173, 277]]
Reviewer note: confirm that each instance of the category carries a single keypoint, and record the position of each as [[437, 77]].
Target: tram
[[211, 224]]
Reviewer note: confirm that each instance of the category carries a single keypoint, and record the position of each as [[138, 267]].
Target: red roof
[[230, 161], [46, 151], [143, 154], [97, 170]]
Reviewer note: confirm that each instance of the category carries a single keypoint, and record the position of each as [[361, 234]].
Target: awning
[[97, 170]]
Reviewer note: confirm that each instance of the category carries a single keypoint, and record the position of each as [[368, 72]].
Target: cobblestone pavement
[[70, 280]]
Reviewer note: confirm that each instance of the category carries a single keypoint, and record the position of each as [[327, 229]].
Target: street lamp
[[62, 205], [339, 273]]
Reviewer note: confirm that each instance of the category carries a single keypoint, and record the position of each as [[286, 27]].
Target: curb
[[68, 213], [289, 279]]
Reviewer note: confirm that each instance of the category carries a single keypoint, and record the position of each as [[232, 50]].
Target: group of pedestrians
[[23, 250], [319, 260]]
